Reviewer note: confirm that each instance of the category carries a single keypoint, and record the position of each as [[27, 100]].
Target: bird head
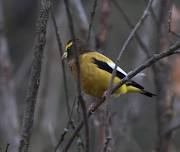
[[69, 52]]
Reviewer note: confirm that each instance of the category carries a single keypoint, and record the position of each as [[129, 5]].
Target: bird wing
[[109, 66]]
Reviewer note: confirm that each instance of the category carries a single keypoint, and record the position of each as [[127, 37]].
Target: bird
[[96, 71]]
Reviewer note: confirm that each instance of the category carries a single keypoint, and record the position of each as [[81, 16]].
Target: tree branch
[[80, 98], [66, 130], [156, 57], [58, 38], [129, 23], [91, 20], [124, 47]]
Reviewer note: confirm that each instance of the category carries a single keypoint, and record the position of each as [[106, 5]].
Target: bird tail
[[148, 94], [135, 87]]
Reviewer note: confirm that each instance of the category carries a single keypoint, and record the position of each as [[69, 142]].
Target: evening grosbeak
[[96, 71]]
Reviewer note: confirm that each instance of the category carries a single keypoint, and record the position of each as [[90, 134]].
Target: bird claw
[[105, 94], [91, 108]]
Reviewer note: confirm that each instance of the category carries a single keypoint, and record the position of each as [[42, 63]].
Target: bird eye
[[69, 48]]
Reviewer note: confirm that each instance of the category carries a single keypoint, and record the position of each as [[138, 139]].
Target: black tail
[[144, 92], [148, 94]]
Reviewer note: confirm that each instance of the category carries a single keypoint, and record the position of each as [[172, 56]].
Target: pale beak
[[64, 56]]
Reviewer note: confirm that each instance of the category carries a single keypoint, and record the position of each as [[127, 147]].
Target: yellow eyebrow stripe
[[68, 45]]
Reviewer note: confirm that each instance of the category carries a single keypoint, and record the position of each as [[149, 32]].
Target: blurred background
[[136, 123]]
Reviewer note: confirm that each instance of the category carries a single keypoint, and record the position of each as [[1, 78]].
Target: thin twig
[[156, 57], [100, 40], [91, 111], [69, 111], [73, 136], [91, 20], [153, 14], [108, 133], [127, 42], [168, 52], [66, 130], [7, 147], [138, 25], [129, 23], [34, 80], [80, 98], [62, 61]]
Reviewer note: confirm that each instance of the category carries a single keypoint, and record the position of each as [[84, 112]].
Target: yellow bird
[[96, 71]]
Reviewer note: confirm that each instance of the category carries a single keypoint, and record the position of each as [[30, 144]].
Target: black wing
[[104, 66]]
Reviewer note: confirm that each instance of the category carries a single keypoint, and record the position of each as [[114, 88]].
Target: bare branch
[[80, 98], [34, 80], [66, 130], [91, 20], [108, 133], [62, 61], [155, 19], [137, 36], [156, 57], [138, 25], [124, 47]]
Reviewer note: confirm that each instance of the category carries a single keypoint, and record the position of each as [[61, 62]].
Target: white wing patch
[[112, 65]]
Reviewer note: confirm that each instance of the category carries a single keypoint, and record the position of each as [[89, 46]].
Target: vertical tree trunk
[[162, 81]]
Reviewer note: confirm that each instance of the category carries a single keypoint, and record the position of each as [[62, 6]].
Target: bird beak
[[64, 56]]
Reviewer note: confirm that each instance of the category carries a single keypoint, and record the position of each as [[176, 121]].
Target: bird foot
[[91, 107], [105, 94]]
